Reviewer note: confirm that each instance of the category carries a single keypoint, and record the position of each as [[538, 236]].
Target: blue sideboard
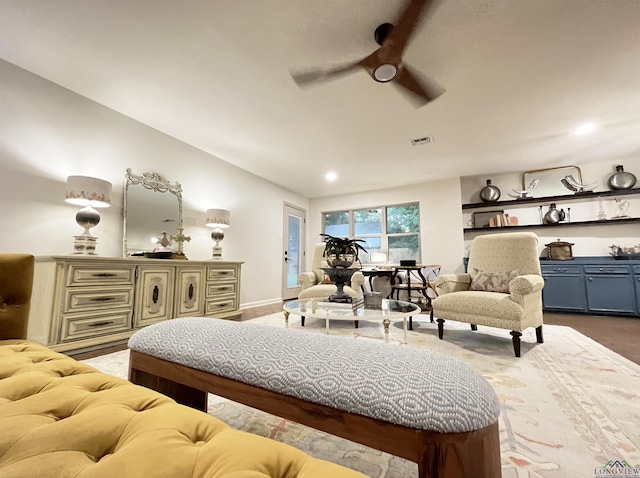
[[593, 285]]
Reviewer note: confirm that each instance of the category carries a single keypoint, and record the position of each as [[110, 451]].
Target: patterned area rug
[[569, 406]]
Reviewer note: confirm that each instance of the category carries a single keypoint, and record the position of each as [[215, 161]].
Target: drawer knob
[[590, 278], [102, 299], [104, 274]]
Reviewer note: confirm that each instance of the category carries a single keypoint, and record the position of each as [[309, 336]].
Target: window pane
[[368, 221], [372, 245], [403, 247], [403, 219], [336, 223]]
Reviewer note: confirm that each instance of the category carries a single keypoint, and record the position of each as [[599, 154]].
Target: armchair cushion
[[492, 281]]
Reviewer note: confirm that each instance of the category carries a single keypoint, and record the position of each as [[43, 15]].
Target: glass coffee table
[[390, 310]]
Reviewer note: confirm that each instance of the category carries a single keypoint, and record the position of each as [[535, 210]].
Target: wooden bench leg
[[473, 454], [182, 394]]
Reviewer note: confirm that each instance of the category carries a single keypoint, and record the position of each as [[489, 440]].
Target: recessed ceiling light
[[585, 128], [331, 176]]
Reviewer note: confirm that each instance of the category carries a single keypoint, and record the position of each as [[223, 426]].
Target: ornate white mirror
[[152, 205]]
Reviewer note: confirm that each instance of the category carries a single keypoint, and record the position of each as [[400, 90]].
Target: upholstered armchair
[[503, 287], [314, 283], [16, 282]]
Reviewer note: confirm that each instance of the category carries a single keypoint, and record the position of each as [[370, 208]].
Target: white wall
[[441, 239], [48, 133], [588, 240]]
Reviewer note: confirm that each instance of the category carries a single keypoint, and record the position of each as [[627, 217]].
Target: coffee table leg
[[386, 323], [404, 320], [286, 319]]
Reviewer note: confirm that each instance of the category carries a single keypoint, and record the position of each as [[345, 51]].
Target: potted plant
[[342, 251]]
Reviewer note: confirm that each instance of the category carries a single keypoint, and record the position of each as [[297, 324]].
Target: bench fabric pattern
[[420, 389]]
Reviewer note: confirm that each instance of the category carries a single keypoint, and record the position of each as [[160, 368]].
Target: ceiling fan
[[385, 64]]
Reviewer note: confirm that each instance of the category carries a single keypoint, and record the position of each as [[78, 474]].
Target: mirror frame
[[550, 184], [154, 182]]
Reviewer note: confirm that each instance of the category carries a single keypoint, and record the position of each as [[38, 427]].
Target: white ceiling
[[519, 75]]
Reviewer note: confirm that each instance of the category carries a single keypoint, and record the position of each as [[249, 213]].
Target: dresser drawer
[[82, 299], [83, 275], [561, 269], [607, 269], [75, 327], [220, 305], [226, 273], [218, 289]]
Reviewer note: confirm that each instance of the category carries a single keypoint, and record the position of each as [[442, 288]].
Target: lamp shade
[[218, 218], [87, 191]]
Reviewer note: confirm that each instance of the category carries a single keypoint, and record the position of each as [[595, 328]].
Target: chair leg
[[302, 320], [539, 337], [431, 315], [356, 323], [474, 327], [516, 342], [440, 328]]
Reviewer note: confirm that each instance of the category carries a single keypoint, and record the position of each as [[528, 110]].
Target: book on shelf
[[502, 220], [357, 303]]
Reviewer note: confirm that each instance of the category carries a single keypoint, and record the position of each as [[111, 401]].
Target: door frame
[[289, 209]]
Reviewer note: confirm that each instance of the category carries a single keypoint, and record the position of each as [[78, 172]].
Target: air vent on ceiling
[[421, 141]]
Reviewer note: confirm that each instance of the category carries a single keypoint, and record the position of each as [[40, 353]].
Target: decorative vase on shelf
[[622, 179], [489, 193], [553, 216]]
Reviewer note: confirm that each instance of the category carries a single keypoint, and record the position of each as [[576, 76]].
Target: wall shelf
[[548, 199], [606, 222]]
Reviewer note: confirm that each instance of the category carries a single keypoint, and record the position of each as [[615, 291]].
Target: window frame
[[384, 235]]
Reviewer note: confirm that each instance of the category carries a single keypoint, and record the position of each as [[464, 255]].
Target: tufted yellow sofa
[[61, 418]]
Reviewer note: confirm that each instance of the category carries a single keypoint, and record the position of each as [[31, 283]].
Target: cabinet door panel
[[564, 292], [189, 301], [155, 299], [608, 293]]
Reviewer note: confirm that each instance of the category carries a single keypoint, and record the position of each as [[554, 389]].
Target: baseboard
[[259, 303]]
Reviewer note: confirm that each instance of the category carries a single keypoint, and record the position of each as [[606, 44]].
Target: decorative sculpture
[[525, 193], [571, 184]]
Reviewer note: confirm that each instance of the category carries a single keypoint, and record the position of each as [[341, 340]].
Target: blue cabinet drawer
[[561, 269], [636, 270], [607, 269]]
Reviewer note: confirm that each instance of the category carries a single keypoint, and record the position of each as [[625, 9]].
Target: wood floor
[[619, 334]]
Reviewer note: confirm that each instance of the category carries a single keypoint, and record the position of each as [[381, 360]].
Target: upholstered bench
[[420, 405]]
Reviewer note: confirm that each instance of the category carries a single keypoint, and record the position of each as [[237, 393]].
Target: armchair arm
[[524, 285], [357, 280], [447, 283], [307, 279]]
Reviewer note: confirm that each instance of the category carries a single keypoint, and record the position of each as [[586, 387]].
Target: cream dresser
[[90, 302]]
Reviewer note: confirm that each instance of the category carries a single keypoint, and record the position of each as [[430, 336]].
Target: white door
[[293, 245]]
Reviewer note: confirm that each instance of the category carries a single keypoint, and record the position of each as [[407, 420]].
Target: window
[[391, 233]]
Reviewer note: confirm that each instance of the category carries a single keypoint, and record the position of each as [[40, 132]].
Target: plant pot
[[340, 275]]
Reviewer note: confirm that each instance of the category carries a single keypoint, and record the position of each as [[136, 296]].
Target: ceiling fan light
[[385, 72]]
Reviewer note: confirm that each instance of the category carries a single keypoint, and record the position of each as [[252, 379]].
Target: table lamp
[[90, 193], [218, 219]]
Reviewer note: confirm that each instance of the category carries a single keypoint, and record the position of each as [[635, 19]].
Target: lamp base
[[216, 253], [84, 245]]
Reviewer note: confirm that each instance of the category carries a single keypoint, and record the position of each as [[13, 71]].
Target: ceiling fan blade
[[399, 37], [306, 77], [422, 90]]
